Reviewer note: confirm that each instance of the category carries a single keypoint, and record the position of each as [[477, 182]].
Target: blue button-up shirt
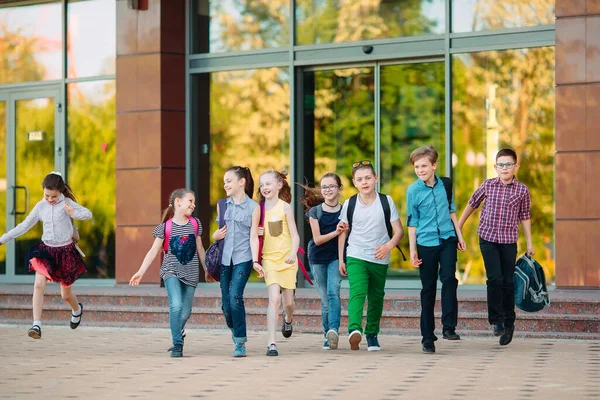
[[427, 210], [238, 219]]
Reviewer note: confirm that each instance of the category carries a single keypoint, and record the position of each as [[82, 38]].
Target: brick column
[[577, 143], [150, 125]]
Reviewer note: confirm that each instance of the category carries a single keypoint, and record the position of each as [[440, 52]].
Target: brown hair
[[312, 196], [285, 193], [54, 181], [244, 172], [507, 153], [425, 151], [170, 210], [367, 165]]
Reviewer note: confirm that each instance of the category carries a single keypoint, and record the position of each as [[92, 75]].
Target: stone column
[[150, 125], [577, 143]]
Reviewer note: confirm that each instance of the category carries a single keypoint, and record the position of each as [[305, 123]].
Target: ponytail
[[54, 181], [312, 196], [285, 193], [169, 212], [244, 172]]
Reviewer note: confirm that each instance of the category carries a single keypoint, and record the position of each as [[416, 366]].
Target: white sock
[[78, 317], [38, 323]]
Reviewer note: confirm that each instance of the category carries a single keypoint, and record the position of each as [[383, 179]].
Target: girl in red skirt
[[55, 258]]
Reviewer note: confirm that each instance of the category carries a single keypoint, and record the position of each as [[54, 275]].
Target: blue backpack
[[531, 294]]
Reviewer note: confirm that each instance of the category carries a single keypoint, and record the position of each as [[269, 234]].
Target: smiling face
[[506, 167], [186, 204], [364, 180], [232, 184], [269, 186], [424, 168], [51, 196], [330, 190]]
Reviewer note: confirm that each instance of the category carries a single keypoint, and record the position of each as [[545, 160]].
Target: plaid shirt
[[504, 207]]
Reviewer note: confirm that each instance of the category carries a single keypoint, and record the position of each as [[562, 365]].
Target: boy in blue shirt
[[433, 238]]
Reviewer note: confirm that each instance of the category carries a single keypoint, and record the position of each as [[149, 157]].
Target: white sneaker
[[333, 338], [355, 338]]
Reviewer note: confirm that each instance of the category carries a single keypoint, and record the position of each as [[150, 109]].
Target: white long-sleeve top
[[58, 230]]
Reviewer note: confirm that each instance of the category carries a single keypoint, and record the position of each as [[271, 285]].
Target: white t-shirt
[[368, 229]]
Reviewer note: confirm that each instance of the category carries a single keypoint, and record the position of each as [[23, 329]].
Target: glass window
[[91, 40], [339, 119], [235, 25], [412, 115], [30, 43], [480, 15], [321, 21], [91, 153], [505, 99], [3, 183]]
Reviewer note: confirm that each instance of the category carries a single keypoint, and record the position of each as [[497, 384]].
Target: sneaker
[[333, 338], [355, 338], [499, 329], [240, 350], [272, 350], [35, 332], [428, 346], [286, 328], [450, 334], [176, 351], [508, 336], [326, 345], [74, 325], [373, 343]]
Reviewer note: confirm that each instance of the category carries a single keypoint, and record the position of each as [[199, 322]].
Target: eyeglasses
[[361, 164], [505, 165], [329, 187]]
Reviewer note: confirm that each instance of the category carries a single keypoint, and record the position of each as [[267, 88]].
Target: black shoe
[[428, 346], [74, 325], [286, 329], [373, 343], [508, 335], [176, 351], [35, 332], [272, 350], [499, 329], [450, 334]]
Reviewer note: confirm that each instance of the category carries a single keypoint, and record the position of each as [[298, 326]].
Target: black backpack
[[531, 293], [386, 215]]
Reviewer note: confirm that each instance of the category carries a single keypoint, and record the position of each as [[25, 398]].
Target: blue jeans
[[233, 282], [328, 281], [181, 298]]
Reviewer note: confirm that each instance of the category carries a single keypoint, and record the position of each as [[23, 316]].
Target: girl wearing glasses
[[323, 213]]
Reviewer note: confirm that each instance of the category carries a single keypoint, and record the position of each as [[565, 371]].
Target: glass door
[[379, 112], [33, 149]]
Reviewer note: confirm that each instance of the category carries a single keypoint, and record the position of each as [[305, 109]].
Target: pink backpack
[[169, 226]]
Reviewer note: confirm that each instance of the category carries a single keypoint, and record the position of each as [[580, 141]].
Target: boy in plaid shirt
[[507, 201]]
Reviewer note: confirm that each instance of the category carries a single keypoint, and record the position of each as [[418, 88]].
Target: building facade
[[189, 88]]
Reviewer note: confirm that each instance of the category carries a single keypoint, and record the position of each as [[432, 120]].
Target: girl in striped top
[[180, 269]]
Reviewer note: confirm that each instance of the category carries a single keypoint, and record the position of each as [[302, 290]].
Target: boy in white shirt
[[363, 218]]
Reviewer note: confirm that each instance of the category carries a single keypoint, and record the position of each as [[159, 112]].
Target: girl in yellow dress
[[279, 260]]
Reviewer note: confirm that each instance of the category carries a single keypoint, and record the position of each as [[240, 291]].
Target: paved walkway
[[102, 363]]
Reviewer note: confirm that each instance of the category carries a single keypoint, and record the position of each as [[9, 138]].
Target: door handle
[[14, 210]]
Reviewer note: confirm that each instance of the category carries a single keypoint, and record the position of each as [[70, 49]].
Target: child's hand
[[341, 227], [260, 231], [70, 210], [260, 270], [135, 279], [462, 245], [342, 269], [530, 250], [291, 259], [220, 233], [382, 251], [208, 277], [415, 260]]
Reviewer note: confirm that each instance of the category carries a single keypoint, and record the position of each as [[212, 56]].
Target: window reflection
[[91, 144], [339, 119], [505, 99], [91, 40], [479, 15], [30, 43], [412, 115], [320, 21], [234, 25]]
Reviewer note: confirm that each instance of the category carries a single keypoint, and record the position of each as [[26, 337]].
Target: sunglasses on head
[[362, 164]]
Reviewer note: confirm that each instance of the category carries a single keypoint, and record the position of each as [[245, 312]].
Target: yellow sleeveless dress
[[277, 247]]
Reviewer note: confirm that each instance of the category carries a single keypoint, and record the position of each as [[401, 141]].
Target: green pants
[[367, 280]]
